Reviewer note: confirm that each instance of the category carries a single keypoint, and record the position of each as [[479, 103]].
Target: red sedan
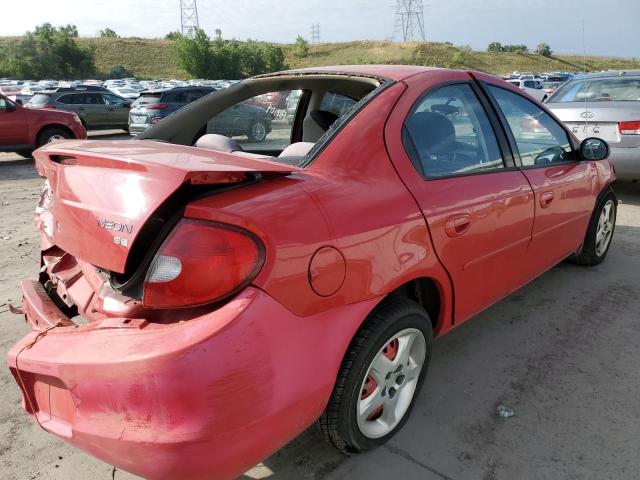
[[202, 301]]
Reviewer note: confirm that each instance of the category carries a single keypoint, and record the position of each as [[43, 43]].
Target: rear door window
[[449, 133], [69, 99]]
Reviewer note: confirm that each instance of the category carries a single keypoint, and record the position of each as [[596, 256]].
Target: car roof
[[390, 72], [610, 73]]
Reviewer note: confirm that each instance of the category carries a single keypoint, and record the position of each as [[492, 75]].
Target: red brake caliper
[[390, 351]]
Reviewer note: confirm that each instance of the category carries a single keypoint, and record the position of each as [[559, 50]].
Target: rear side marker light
[[201, 262], [156, 106], [629, 128]]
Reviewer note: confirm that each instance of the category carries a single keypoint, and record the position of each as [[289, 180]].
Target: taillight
[[629, 128], [156, 106], [199, 263]]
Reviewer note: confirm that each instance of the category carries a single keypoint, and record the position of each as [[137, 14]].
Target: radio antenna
[[584, 69]]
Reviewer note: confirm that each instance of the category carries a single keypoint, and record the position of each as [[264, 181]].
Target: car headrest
[[431, 132], [298, 149], [220, 143], [323, 118]]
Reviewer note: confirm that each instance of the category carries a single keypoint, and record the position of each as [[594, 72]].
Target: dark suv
[[97, 109], [153, 106]]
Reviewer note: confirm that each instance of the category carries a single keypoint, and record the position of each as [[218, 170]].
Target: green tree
[[494, 47], [108, 33], [48, 52], [301, 47], [543, 49], [194, 53]]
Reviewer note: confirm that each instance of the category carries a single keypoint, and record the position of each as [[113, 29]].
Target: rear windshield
[[607, 89], [39, 99], [147, 99]]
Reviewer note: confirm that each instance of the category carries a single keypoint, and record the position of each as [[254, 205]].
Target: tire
[[352, 421], [595, 246], [257, 132], [25, 153], [51, 134]]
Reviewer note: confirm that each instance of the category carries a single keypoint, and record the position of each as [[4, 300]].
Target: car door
[[117, 110], [478, 206], [95, 109], [563, 186], [13, 128]]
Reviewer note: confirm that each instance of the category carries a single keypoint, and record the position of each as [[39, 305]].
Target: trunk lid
[[100, 194], [599, 119]]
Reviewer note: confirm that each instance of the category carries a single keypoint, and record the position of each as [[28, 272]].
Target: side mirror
[[19, 101], [594, 149]]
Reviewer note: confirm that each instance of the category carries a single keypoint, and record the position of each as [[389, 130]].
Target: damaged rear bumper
[[204, 398]]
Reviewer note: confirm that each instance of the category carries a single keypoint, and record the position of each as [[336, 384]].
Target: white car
[[532, 87], [126, 92]]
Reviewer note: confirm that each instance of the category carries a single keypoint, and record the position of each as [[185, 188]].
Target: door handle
[[545, 199], [458, 224]]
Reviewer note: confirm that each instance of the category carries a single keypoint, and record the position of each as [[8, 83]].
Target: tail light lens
[[201, 262], [156, 106], [629, 128]]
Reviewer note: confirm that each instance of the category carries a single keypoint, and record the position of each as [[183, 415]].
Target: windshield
[[604, 89], [39, 99]]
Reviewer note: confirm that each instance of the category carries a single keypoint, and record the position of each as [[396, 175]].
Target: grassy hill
[[157, 59]]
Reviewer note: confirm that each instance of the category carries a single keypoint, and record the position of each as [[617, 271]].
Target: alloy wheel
[[604, 231], [390, 383]]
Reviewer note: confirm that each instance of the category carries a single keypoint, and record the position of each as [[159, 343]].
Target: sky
[[612, 27]]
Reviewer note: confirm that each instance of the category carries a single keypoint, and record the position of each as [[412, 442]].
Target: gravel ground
[[562, 352]]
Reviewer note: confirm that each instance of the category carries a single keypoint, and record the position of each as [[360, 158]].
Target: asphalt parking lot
[[563, 352]]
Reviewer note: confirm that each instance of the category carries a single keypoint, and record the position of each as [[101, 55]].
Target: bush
[[121, 72], [108, 33], [229, 59], [544, 49], [494, 47], [301, 47]]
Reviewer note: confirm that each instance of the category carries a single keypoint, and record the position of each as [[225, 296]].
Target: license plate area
[[605, 131]]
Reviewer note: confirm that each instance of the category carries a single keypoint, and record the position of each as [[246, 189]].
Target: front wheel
[[257, 132], [380, 377], [51, 135], [600, 232]]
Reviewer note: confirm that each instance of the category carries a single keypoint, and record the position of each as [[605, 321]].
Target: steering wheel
[[552, 151]]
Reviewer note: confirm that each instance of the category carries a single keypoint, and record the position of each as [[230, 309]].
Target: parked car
[[9, 89], [532, 87], [126, 92], [97, 109], [22, 130], [230, 299], [153, 106], [242, 119], [605, 105]]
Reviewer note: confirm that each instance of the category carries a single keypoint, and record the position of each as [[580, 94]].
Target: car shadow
[[22, 169], [628, 192], [520, 352]]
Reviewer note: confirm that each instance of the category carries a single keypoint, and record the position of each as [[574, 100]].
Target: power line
[[315, 33], [188, 17], [409, 20]]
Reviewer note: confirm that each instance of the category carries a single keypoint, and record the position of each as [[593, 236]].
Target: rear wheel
[[257, 132], [599, 233], [380, 377], [52, 134]]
